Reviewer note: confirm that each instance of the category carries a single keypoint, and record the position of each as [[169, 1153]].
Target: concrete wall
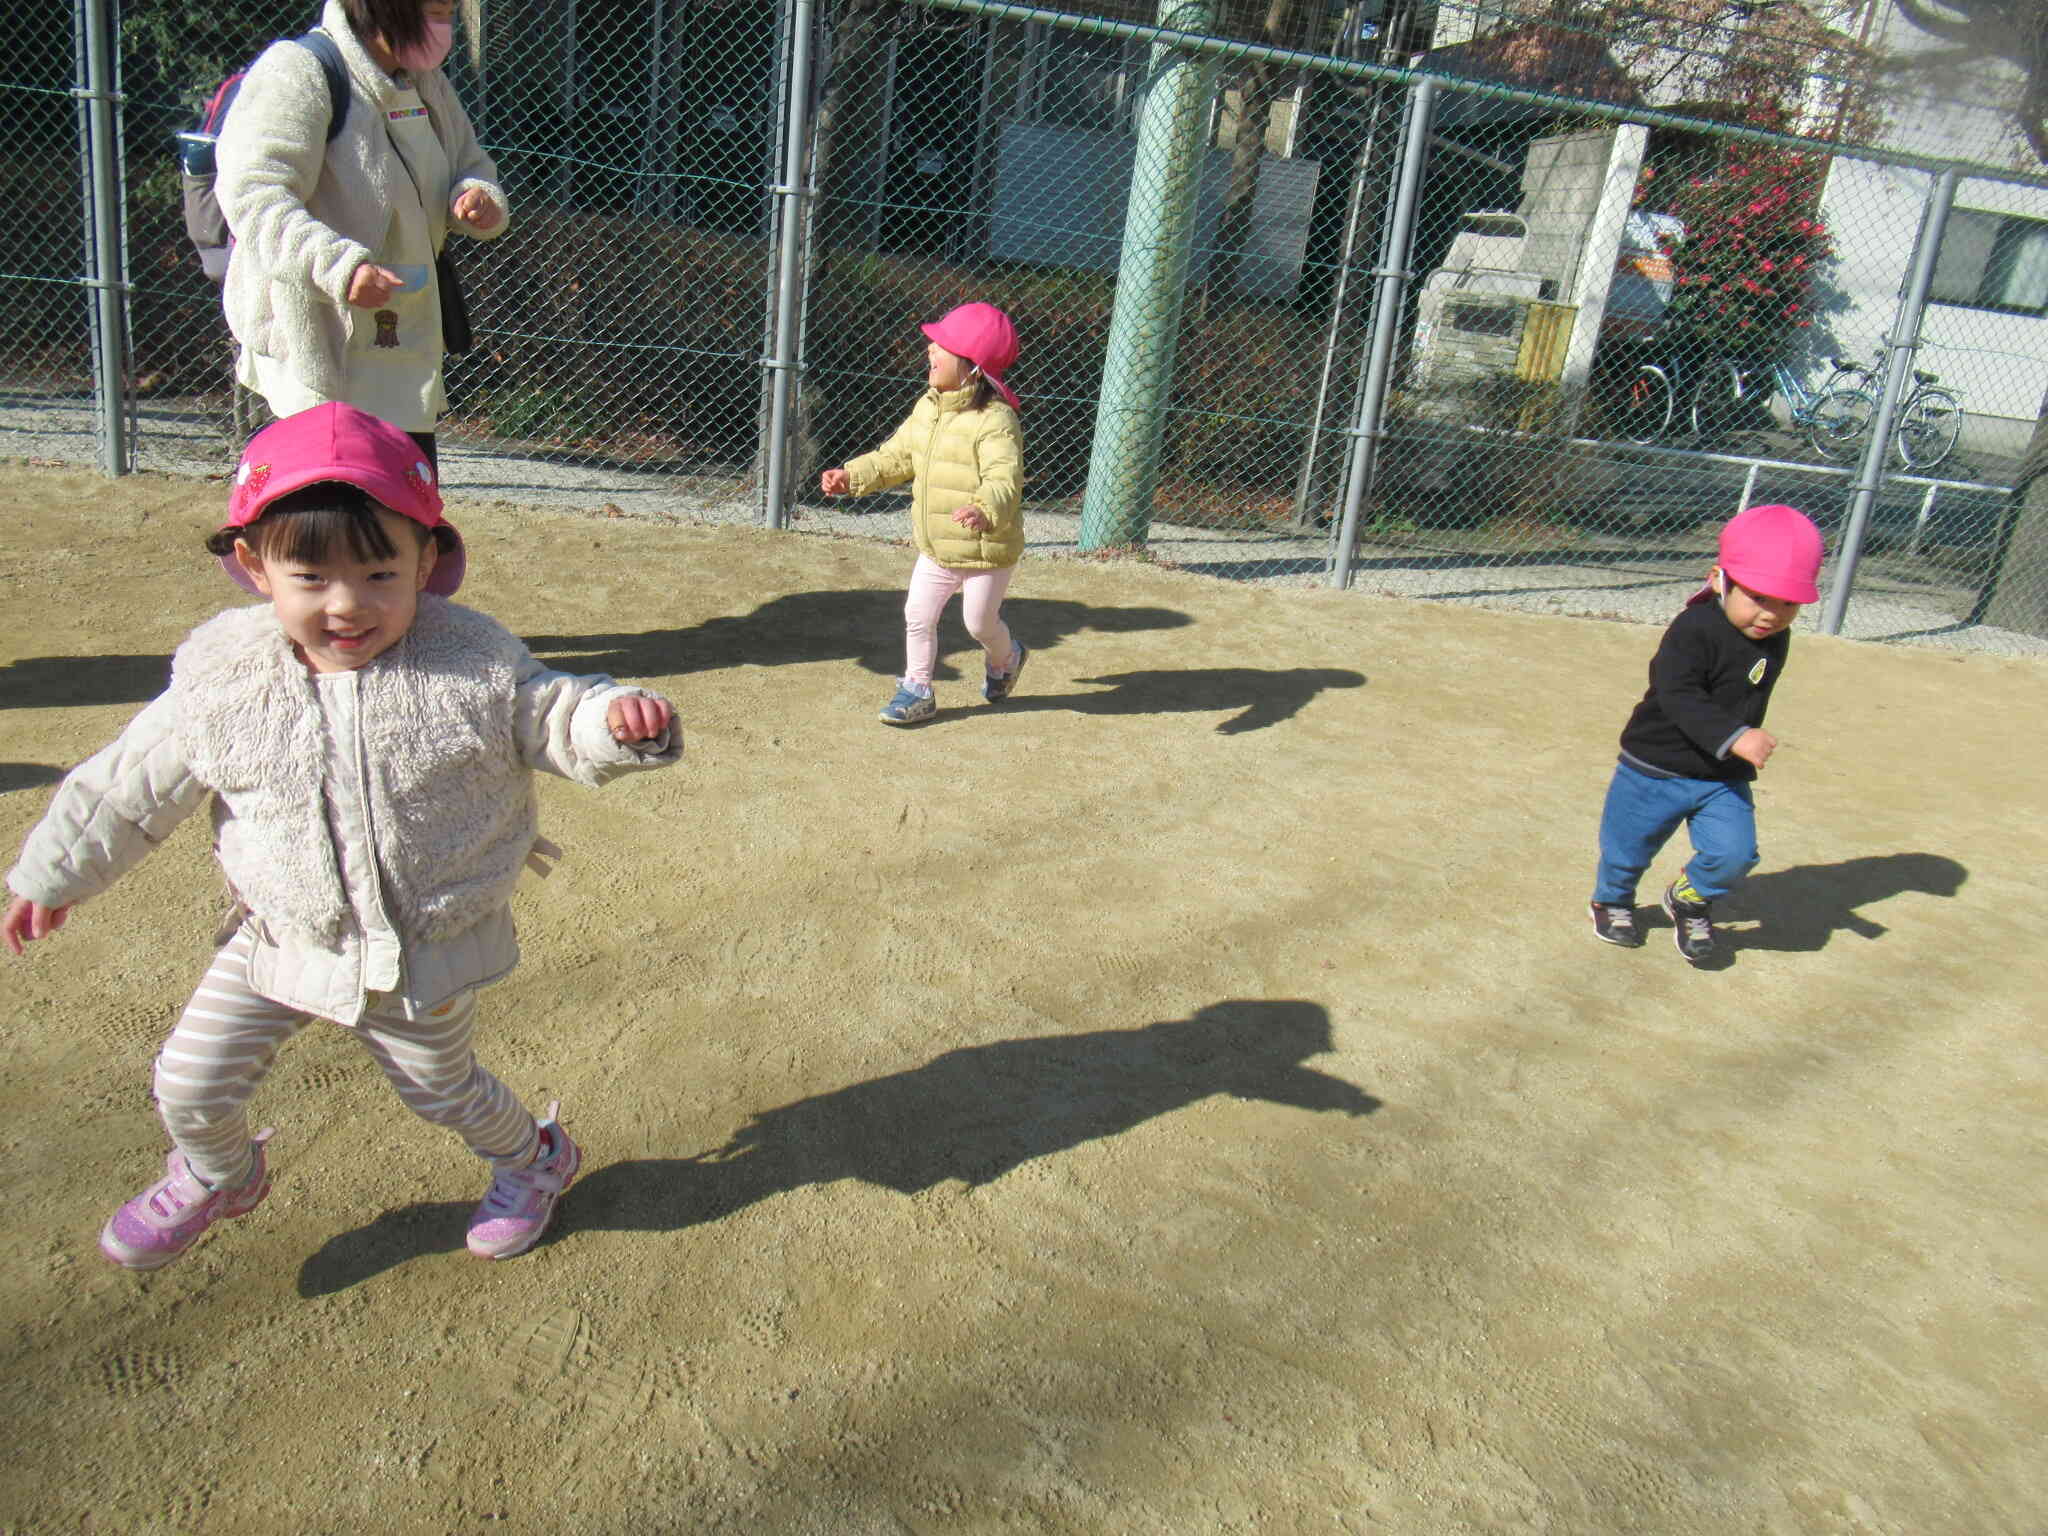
[[1060, 195], [1561, 187]]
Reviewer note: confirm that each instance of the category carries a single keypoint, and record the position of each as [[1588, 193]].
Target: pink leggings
[[981, 603]]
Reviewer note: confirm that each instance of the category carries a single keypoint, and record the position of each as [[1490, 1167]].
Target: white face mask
[[430, 50]]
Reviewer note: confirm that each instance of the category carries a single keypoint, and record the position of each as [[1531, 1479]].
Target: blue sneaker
[[997, 686], [909, 707]]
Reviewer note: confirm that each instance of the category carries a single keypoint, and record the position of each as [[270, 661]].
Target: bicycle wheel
[[1928, 429], [1643, 404], [1712, 408], [1840, 421]]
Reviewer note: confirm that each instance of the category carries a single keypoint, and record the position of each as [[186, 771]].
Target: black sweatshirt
[[1709, 682]]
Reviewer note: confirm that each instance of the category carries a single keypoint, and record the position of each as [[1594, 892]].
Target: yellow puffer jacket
[[954, 457]]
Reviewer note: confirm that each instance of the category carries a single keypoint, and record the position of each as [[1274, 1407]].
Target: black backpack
[[203, 219]]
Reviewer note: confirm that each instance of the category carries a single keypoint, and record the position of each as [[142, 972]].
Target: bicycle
[[1644, 400], [1833, 416], [1928, 424]]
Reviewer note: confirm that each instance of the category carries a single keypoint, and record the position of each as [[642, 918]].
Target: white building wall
[[1996, 360]]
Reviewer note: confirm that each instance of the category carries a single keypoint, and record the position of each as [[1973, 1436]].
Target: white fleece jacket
[[306, 213], [386, 819]]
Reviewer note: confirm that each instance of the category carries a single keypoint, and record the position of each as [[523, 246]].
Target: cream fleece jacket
[[445, 730]]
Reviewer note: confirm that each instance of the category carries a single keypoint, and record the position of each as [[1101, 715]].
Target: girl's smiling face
[[342, 612], [945, 370]]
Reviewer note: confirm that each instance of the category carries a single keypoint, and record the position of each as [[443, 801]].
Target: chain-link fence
[[47, 313], [1508, 328]]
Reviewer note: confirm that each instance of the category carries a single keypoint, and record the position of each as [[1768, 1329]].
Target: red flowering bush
[[1743, 272]]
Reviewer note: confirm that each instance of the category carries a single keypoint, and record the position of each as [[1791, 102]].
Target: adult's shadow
[[859, 624], [1799, 909], [972, 1115], [41, 682], [1261, 698]]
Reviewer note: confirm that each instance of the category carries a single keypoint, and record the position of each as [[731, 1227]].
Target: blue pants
[[1641, 814]]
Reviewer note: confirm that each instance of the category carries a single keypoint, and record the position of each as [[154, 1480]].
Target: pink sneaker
[[167, 1218], [516, 1210]]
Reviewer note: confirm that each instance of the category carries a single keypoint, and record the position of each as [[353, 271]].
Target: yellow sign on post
[[1546, 337], [1546, 334]]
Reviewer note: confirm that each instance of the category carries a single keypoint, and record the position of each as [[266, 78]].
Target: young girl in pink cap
[[963, 455], [368, 750], [1694, 744]]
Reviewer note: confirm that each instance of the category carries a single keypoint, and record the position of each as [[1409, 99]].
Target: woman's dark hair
[[401, 23], [300, 529]]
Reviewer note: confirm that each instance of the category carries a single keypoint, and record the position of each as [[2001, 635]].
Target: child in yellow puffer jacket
[[963, 454]]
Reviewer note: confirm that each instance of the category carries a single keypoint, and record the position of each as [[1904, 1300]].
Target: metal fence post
[[1386, 323], [1901, 343], [788, 295], [108, 279], [1144, 326]]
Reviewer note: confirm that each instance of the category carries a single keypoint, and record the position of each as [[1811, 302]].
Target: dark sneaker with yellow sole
[[1692, 925]]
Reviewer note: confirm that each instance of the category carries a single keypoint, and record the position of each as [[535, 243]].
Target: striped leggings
[[229, 1034]]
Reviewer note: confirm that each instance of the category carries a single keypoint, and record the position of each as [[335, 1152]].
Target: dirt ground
[[1186, 1099]]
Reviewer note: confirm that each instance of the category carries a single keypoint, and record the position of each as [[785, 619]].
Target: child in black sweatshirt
[[1696, 740]]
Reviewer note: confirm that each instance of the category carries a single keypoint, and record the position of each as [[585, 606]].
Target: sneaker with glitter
[[521, 1201], [909, 707], [168, 1217]]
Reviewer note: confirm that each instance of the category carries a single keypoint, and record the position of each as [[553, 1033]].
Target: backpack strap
[[328, 53]]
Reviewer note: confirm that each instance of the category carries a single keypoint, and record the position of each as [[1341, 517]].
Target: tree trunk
[[846, 135], [1259, 87], [2015, 594]]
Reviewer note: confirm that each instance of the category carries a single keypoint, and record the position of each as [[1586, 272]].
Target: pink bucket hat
[[983, 335], [340, 443], [1774, 551]]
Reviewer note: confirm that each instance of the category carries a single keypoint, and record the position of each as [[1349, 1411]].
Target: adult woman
[[331, 290]]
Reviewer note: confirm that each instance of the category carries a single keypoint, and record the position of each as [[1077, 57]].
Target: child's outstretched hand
[[638, 718], [973, 517], [26, 919], [1754, 746], [835, 482]]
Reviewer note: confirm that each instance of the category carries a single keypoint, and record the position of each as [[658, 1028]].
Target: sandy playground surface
[[1186, 1099]]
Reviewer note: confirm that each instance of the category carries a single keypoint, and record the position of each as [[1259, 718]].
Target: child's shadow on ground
[[15, 776], [39, 682], [970, 1115], [862, 625], [1261, 698], [1799, 910]]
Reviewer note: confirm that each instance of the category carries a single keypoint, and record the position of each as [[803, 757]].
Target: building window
[[1993, 261]]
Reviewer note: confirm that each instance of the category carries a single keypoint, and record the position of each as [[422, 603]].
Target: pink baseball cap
[[983, 335], [337, 442], [1774, 551]]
